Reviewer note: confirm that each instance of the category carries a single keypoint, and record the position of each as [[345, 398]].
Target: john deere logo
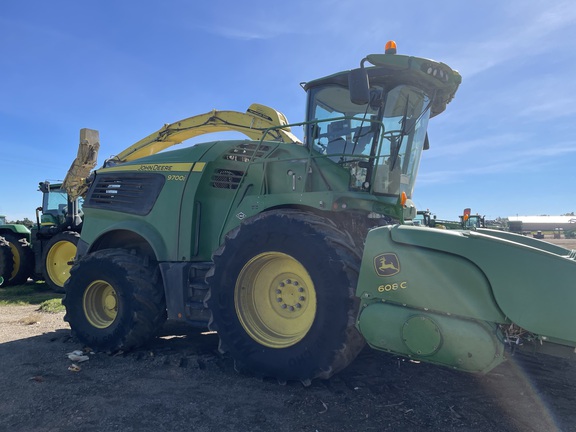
[[386, 264]]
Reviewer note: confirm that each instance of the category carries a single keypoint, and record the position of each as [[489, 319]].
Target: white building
[[544, 223]]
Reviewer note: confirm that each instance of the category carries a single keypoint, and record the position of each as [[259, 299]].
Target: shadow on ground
[[180, 381]]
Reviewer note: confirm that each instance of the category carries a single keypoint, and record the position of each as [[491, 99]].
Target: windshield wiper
[[358, 133], [376, 100], [396, 141], [408, 126]]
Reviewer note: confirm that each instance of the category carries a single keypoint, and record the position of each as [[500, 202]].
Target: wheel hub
[[100, 304], [275, 300], [16, 260], [110, 302], [57, 261], [290, 297]]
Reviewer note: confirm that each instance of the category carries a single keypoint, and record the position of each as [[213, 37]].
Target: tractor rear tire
[[114, 300], [23, 259], [58, 252], [282, 296], [6, 260]]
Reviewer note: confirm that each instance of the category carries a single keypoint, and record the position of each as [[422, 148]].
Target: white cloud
[[506, 154], [527, 33], [489, 144], [249, 32], [546, 149]]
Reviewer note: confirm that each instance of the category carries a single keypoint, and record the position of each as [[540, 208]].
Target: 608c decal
[[393, 286]]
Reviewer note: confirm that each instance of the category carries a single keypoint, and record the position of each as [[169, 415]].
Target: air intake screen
[[128, 193], [226, 179]]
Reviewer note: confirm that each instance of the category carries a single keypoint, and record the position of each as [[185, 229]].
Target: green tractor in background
[[467, 221], [298, 254], [45, 250], [427, 218], [474, 221], [16, 255]]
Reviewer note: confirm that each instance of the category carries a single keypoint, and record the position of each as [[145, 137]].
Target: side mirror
[[359, 86], [44, 187]]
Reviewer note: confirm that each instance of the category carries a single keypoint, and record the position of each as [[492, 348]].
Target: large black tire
[[58, 252], [114, 300], [282, 296], [23, 259], [6, 261]]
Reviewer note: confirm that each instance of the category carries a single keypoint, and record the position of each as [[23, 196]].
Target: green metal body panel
[[431, 274], [525, 240], [486, 276], [145, 228], [426, 73], [469, 345], [208, 191], [20, 230]]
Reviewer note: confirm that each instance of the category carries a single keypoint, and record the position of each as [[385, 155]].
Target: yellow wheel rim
[[57, 259], [100, 304], [275, 300], [16, 259]]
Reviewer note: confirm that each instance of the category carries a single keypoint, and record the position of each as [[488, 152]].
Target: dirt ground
[[180, 382]]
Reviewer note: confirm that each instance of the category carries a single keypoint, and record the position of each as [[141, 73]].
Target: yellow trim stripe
[[199, 166], [160, 167]]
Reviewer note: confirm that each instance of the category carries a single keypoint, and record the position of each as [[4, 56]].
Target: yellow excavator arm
[[259, 122]]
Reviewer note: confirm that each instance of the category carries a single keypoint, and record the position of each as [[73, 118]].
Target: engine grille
[[128, 193], [226, 179], [246, 152]]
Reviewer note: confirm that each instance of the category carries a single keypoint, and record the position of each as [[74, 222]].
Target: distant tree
[[569, 214]]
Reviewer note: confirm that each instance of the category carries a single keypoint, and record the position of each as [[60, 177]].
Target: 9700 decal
[[172, 177]]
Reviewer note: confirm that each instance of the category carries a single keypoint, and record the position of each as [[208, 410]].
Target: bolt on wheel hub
[[290, 296]]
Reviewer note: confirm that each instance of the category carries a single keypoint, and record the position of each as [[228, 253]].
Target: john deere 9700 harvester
[[296, 253]]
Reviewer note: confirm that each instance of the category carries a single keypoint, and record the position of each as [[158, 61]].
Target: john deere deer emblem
[[386, 264]]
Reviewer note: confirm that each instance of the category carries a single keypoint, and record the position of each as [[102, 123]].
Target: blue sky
[[503, 147]]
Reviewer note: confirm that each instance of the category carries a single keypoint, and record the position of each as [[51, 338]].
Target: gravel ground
[[180, 382]]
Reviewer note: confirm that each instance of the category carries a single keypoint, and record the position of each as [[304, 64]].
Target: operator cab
[[380, 141], [372, 121], [55, 203]]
